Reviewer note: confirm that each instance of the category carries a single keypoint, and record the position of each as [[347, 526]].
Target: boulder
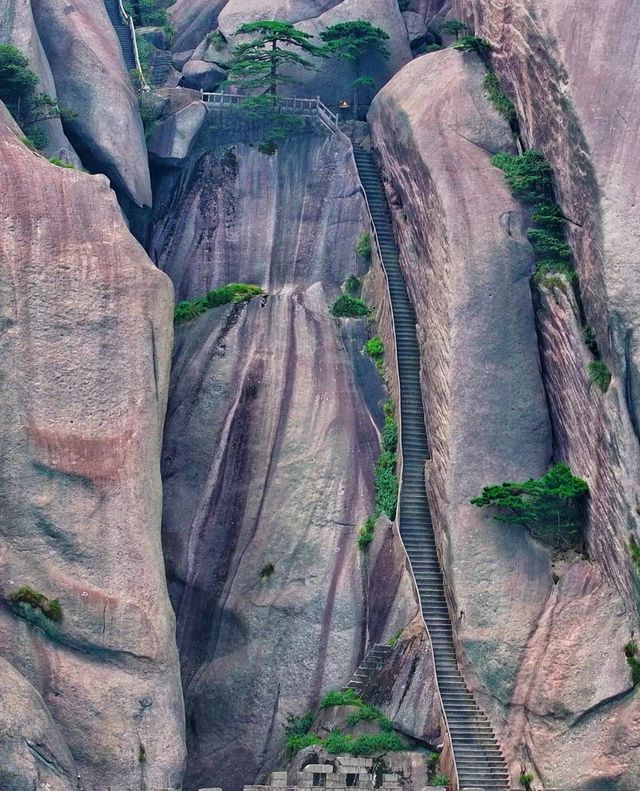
[[156, 36], [201, 75], [192, 20], [84, 369], [173, 136], [415, 24], [92, 80]]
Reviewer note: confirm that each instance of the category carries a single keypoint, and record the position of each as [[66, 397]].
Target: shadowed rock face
[[268, 457], [525, 628], [84, 367], [92, 80]]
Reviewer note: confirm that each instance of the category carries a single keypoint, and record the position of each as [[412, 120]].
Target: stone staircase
[[123, 33], [372, 662], [479, 760]]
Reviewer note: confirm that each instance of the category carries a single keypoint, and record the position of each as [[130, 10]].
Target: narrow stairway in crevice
[[479, 759], [123, 33]]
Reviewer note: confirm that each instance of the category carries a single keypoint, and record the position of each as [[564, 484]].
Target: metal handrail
[[312, 108], [401, 476], [128, 21]]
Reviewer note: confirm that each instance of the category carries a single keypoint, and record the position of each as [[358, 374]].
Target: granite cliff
[[192, 502]]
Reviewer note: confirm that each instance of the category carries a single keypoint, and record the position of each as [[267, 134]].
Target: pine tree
[[351, 41], [257, 64]]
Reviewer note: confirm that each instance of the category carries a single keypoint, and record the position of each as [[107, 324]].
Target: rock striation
[[86, 344], [271, 438], [468, 266]]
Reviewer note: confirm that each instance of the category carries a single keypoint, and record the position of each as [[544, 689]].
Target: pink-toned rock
[[85, 360], [192, 20], [268, 461], [92, 80], [541, 642]]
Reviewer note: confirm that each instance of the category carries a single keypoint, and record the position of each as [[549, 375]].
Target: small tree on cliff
[[18, 84], [352, 41], [257, 64], [453, 27]]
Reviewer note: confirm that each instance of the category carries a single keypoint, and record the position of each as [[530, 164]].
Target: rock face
[[468, 265], [579, 108], [92, 80], [17, 27], [86, 344], [269, 450]]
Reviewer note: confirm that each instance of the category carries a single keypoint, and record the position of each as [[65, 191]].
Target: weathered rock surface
[[32, 749], [92, 80], [468, 266], [192, 20], [86, 342], [575, 92], [269, 451], [202, 75], [173, 136], [17, 27]]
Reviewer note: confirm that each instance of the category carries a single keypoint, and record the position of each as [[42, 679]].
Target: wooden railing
[[128, 21], [310, 108]]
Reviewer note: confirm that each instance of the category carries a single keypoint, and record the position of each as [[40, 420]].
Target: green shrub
[[365, 712], [432, 48], [634, 551], [529, 175], [394, 639], [351, 285], [216, 40], [589, 339], [298, 726], [440, 780], [363, 248], [550, 506], [296, 743], [365, 534], [365, 744], [475, 44], [61, 163], [599, 374], [389, 435], [267, 570], [341, 697], [234, 292], [500, 101], [374, 347], [631, 654], [525, 780], [386, 484], [549, 216], [51, 609], [548, 245], [547, 272], [347, 306]]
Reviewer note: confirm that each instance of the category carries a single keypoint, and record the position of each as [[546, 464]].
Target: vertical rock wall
[[86, 343], [271, 439], [468, 267]]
